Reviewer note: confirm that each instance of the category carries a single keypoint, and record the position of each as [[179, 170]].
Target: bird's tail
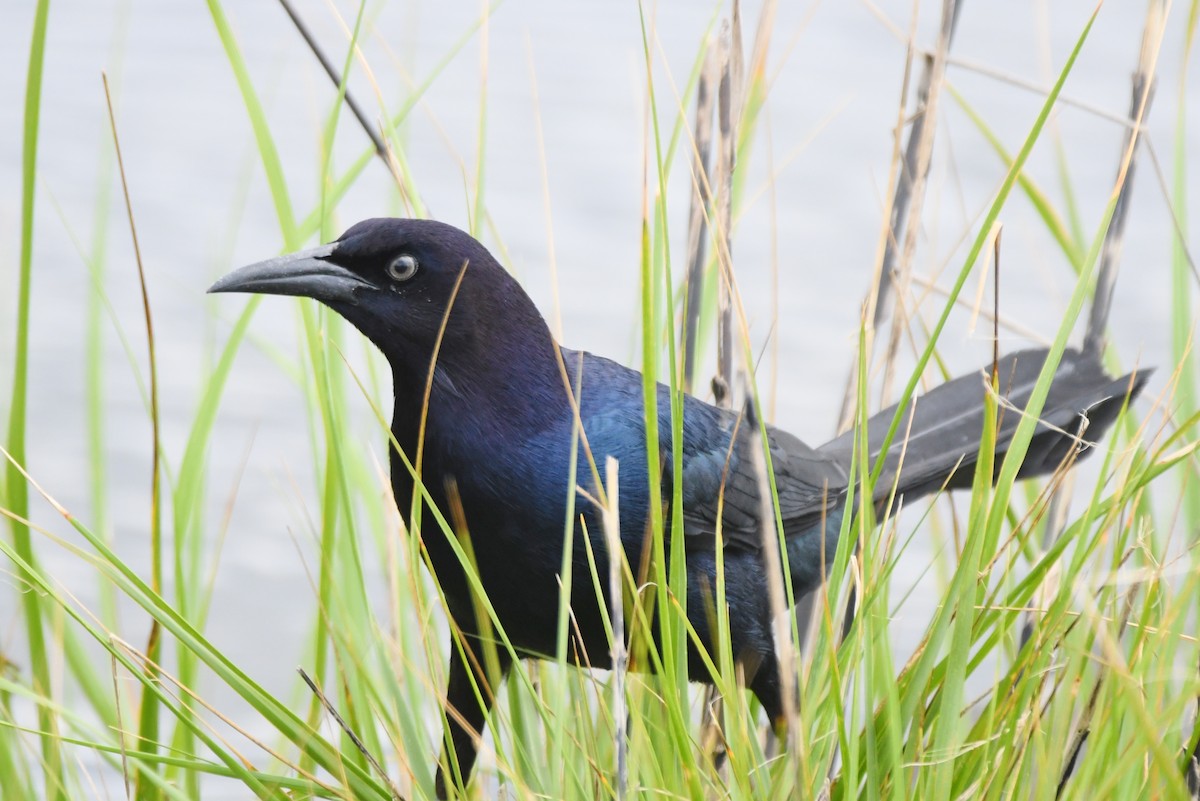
[[943, 427]]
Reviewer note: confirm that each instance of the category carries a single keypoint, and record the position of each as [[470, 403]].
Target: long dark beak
[[307, 273]]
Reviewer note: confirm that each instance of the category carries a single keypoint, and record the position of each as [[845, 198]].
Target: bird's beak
[[307, 273]]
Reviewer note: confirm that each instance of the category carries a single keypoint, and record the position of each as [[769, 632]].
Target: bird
[[504, 416]]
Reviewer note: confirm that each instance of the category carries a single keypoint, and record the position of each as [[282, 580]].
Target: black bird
[[498, 440]]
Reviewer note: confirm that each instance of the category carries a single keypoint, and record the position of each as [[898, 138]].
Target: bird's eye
[[403, 267]]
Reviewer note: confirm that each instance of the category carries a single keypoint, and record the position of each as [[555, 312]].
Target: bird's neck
[[503, 383]]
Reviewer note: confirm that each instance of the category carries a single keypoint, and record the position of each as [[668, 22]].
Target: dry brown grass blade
[[697, 254], [148, 722], [728, 108], [612, 538], [900, 274], [697, 259], [1144, 80], [908, 178]]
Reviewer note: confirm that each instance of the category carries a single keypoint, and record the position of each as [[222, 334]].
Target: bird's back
[[724, 471]]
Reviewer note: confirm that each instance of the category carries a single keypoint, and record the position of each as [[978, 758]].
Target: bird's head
[[394, 280]]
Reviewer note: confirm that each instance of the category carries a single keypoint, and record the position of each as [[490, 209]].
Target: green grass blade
[[258, 122], [16, 491]]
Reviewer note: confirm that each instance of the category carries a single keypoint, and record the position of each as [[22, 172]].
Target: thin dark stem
[[728, 106], [354, 738], [913, 167], [902, 198], [902, 273], [1083, 726], [335, 76], [1114, 238], [699, 219], [996, 308], [698, 216]]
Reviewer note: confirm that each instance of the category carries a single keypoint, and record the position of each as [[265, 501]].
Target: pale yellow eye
[[403, 267]]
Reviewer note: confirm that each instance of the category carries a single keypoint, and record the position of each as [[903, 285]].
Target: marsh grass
[[1096, 699]]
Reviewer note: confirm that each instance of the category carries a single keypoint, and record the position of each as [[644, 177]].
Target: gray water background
[[202, 208]]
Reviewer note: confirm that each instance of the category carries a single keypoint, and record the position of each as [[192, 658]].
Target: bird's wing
[[721, 453], [725, 479]]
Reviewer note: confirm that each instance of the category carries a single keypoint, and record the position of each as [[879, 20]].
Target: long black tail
[[942, 446]]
